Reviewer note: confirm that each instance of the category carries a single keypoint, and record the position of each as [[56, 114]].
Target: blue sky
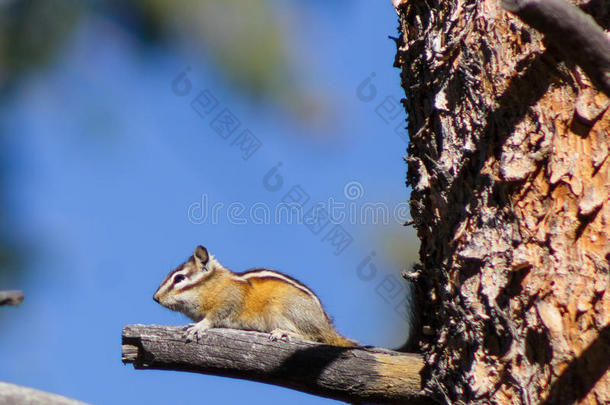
[[107, 160]]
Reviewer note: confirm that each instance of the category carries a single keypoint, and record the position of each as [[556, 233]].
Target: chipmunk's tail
[[336, 339]]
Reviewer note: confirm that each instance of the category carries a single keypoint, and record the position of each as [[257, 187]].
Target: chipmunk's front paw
[[280, 334], [195, 331]]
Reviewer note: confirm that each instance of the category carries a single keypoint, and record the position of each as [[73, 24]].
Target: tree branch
[[14, 394], [572, 31], [355, 375], [9, 297]]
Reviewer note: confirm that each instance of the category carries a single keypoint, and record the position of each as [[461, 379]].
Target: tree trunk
[[508, 164]]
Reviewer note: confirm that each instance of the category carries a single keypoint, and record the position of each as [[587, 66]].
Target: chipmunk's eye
[[178, 278]]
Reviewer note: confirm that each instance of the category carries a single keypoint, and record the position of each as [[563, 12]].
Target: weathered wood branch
[[355, 375], [15, 394], [10, 297], [572, 31]]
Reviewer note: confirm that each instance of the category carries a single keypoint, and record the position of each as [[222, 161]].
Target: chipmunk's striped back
[[262, 273], [258, 299]]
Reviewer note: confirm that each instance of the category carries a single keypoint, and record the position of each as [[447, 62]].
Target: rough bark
[[355, 375], [572, 31], [508, 164]]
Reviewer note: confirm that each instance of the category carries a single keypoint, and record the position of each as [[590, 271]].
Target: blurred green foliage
[[31, 33], [242, 38]]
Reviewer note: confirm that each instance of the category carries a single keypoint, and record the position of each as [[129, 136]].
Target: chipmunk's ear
[[201, 256]]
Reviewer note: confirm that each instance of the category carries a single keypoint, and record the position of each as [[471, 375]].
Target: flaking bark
[[573, 32], [508, 164]]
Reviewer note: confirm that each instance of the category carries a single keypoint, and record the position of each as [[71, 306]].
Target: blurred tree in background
[[243, 39]]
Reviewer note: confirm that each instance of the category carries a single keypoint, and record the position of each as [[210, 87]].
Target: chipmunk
[[260, 299]]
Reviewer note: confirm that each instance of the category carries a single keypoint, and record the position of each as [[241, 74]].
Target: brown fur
[[261, 300]]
